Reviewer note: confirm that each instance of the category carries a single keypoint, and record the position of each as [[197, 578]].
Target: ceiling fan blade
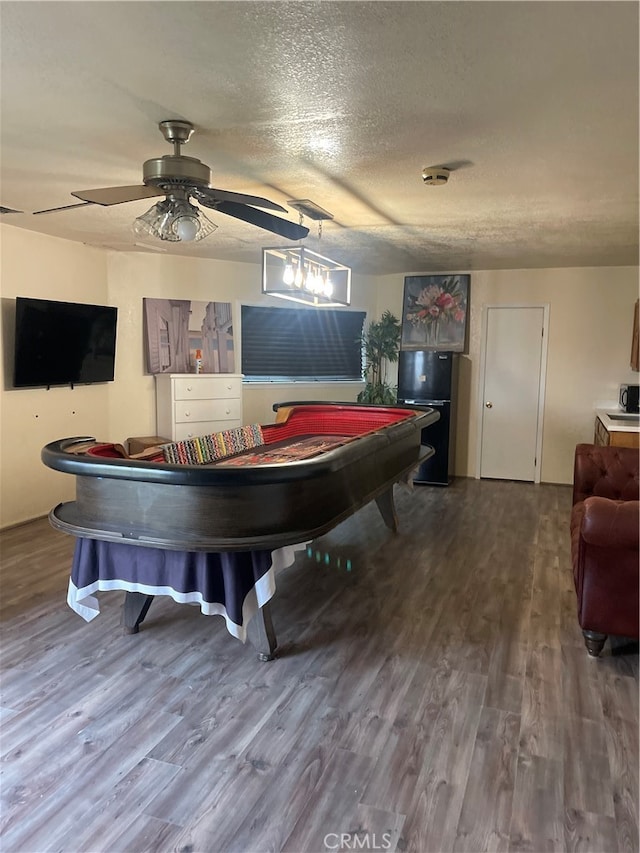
[[282, 227], [106, 196], [214, 195], [64, 207]]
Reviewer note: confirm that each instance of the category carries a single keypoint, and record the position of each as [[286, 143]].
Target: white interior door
[[512, 392]]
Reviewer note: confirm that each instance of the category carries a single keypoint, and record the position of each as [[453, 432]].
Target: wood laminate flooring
[[437, 697]]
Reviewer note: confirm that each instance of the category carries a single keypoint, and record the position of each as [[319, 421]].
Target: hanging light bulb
[[298, 277], [328, 285], [310, 280], [288, 276]]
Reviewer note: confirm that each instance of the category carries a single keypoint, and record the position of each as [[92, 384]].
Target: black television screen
[[63, 343]]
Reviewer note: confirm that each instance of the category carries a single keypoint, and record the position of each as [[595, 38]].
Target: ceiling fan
[[179, 178]]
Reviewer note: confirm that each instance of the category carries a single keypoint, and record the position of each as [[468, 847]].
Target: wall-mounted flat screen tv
[[63, 343]]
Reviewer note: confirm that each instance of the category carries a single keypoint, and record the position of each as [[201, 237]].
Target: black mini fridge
[[429, 378]]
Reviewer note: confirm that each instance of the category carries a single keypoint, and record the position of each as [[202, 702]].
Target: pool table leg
[[135, 608], [388, 509], [261, 634]]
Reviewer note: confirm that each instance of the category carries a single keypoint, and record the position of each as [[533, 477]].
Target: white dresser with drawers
[[191, 404]]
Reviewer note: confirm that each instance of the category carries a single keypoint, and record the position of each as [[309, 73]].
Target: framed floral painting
[[434, 313]]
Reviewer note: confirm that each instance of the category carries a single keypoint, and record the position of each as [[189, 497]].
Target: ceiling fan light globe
[[205, 226], [156, 222], [186, 228], [146, 226], [174, 220], [142, 228]]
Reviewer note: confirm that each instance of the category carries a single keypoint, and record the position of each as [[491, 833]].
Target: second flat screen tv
[[63, 343]]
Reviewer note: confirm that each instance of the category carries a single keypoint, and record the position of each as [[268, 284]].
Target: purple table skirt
[[232, 584]]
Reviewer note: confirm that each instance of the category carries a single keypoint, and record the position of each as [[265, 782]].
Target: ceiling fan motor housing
[[176, 169]]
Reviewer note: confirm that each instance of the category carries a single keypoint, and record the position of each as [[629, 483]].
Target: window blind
[[290, 343]]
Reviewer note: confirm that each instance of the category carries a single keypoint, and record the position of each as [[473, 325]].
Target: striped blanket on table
[[209, 448]]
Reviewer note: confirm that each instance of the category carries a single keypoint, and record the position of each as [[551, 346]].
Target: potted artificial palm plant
[[380, 344]]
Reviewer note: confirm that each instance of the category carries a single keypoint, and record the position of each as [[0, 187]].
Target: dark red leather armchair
[[605, 525]]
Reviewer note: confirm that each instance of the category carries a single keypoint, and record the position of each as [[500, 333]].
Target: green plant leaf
[[380, 343]]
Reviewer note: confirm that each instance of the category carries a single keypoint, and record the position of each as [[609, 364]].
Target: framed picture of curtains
[[435, 312], [176, 330]]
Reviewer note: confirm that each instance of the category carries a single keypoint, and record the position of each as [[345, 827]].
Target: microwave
[[628, 399]]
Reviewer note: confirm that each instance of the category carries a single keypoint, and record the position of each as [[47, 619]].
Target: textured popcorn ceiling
[[534, 106]]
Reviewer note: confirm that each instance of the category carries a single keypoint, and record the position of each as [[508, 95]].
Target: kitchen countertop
[[620, 422]]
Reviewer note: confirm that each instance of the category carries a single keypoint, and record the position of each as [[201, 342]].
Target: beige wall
[[45, 268], [590, 324], [590, 334]]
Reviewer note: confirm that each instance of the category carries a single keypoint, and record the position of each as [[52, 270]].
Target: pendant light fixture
[[300, 275]]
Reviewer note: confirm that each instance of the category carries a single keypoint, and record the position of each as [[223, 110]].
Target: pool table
[[315, 466]]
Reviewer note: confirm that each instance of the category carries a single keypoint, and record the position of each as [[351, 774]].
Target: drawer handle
[[189, 388], [187, 414], [229, 387]]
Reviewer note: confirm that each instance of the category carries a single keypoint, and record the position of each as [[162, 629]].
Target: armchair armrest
[[611, 524], [605, 534]]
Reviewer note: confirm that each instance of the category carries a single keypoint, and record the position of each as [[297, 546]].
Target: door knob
[[489, 405]]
